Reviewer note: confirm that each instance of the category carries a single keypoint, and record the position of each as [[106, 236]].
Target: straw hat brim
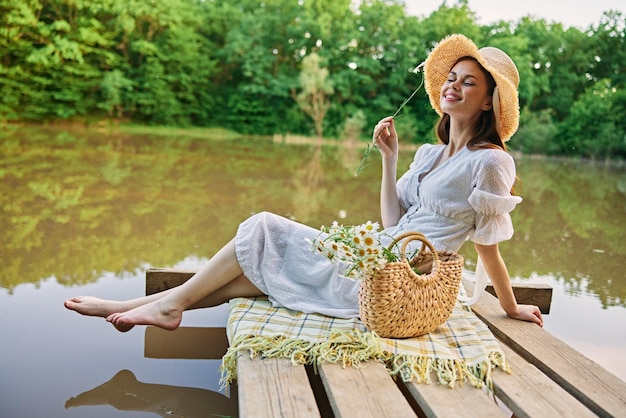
[[502, 68]]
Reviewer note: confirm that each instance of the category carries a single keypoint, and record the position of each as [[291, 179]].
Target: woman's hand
[[528, 313], [386, 138], [497, 271]]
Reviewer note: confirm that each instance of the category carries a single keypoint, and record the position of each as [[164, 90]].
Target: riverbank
[[218, 133]]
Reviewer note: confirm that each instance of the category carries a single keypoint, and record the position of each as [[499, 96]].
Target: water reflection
[[580, 238], [125, 393], [571, 226], [77, 203]]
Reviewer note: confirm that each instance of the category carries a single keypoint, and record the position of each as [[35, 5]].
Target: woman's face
[[464, 94]]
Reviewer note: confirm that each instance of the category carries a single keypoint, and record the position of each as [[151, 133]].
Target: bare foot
[[155, 313], [92, 306]]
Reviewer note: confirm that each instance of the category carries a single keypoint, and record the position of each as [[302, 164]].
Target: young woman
[[456, 190]]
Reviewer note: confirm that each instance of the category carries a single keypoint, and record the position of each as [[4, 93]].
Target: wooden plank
[[539, 294], [436, 400], [273, 388], [527, 392], [590, 383], [185, 343], [365, 392], [158, 280]]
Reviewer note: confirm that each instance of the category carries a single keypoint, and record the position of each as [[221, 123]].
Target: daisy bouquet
[[358, 247]]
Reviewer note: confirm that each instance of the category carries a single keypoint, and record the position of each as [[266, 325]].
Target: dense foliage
[[239, 65]]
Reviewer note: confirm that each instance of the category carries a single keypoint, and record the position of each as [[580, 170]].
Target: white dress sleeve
[[491, 198]]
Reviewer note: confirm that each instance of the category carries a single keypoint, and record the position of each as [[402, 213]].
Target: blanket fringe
[[353, 347]]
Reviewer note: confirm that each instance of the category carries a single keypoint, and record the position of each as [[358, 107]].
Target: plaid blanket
[[462, 349]]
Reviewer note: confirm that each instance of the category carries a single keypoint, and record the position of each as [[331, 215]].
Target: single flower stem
[[370, 147], [407, 100]]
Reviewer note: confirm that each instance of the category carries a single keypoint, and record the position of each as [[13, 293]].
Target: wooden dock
[[548, 379]]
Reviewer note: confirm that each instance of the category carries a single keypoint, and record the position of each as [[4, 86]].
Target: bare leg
[[93, 306], [239, 287], [166, 311]]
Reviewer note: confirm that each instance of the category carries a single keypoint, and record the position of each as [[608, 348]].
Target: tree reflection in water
[[80, 202]]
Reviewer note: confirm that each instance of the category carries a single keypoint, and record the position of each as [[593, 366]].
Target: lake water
[[87, 211]]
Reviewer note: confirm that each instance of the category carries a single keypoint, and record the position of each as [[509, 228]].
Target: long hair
[[486, 135]]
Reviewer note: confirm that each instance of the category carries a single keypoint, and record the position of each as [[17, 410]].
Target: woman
[[453, 191]]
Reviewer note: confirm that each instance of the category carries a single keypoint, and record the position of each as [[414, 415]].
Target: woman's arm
[[497, 271], [386, 139]]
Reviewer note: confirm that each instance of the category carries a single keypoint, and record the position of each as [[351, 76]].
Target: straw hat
[[501, 67]]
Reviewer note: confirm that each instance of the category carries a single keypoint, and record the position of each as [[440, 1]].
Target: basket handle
[[406, 238]]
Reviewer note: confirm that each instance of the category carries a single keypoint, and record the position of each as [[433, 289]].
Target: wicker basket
[[399, 303]]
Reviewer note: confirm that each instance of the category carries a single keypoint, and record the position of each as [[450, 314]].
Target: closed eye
[[468, 80]]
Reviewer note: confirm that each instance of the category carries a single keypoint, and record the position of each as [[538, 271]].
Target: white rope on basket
[[480, 283]]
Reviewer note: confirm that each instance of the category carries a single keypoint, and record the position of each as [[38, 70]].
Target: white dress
[[465, 197]]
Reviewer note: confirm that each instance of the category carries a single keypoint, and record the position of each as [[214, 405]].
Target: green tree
[[262, 50], [167, 59], [537, 134], [458, 18], [372, 68], [18, 22], [592, 128], [113, 87], [237, 64], [316, 88], [608, 42]]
